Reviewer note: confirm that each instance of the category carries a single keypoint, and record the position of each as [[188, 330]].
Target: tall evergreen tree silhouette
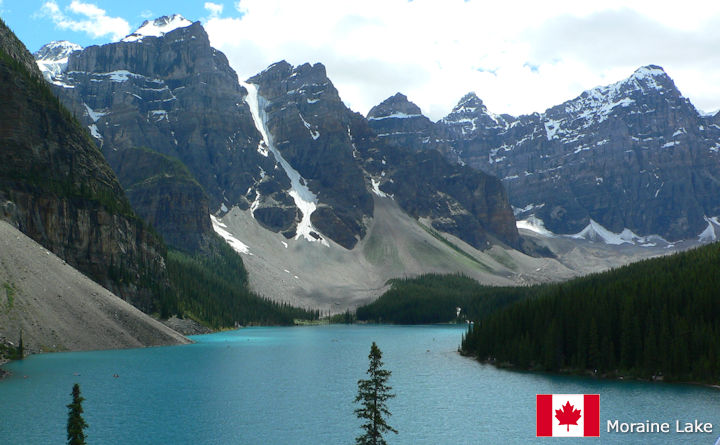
[[372, 395], [76, 424]]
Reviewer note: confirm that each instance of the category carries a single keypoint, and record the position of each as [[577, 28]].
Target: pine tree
[[372, 395], [19, 352], [76, 424]]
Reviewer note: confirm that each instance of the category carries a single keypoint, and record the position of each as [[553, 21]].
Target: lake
[[296, 385]]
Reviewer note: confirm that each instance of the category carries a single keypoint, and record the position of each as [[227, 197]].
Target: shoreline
[[585, 373], [4, 373]]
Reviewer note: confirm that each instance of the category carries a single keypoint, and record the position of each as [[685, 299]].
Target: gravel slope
[[60, 309], [334, 279]]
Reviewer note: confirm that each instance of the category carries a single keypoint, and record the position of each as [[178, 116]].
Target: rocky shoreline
[[4, 373], [186, 326]]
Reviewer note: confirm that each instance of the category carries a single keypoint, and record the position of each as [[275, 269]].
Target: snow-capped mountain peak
[[649, 72], [52, 58], [598, 104], [158, 27], [470, 103], [471, 115], [645, 79], [397, 106]]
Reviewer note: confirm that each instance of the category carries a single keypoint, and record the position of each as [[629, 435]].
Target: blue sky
[[35, 26], [519, 57]]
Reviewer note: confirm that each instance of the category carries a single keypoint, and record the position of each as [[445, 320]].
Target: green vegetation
[[434, 298], [656, 318], [213, 289], [346, 317], [20, 350], [10, 291], [373, 393], [67, 130], [140, 166], [10, 352], [76, 424], [435, 234]]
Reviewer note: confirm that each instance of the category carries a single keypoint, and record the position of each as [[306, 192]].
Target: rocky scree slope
[[57, 308]]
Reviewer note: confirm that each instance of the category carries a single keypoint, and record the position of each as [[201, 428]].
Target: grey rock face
[[177, 96], [635, 154], [57, 188], [309, 126], [163, 192], [399, 122]]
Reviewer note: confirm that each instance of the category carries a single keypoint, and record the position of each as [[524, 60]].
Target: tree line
[[213, 289], [434, 298], [659, 318]]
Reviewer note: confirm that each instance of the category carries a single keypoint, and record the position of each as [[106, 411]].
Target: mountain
[[281, 156], [344, 159], [165, 89], [57, 308], [52, 58], [283, 145], [308, 130], [56, 187], [635, 156], [399, 122]]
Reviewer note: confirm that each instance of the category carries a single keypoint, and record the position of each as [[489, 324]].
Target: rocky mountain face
[[400, 123], [56, 187], [308, 127], [52, 58], [169, 91], [343, 157], [632, 157], [283, 145], [159, 188]]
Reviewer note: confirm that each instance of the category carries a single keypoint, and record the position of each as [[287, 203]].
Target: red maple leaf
[[568, 415]]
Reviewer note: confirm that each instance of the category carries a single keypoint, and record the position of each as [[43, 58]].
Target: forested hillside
[[657, 318], [434, 298], [213, 289]]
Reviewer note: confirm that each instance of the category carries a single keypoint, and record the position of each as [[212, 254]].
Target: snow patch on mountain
[[235, 243], [710, 233], [395, 115], [95, 132], [52, 59], [595, 232], [94, 115], [305, 200], [534, 224], [313, 133], [158, 27], [376, 189]]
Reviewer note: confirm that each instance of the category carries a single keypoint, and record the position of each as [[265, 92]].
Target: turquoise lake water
[[296, 385]]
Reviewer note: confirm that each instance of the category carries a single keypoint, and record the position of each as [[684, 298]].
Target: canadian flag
[[568, 415]]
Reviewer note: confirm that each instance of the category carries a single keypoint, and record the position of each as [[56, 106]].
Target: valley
[[152, 184]]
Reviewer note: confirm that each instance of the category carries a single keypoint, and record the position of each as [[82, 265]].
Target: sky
[[518, 56]]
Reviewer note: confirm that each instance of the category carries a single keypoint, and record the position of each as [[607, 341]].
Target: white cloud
[[215, 9], [85, 17], [518, 57], [147, 14]]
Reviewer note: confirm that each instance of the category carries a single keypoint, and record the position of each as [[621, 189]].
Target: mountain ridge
[[634, 155]]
